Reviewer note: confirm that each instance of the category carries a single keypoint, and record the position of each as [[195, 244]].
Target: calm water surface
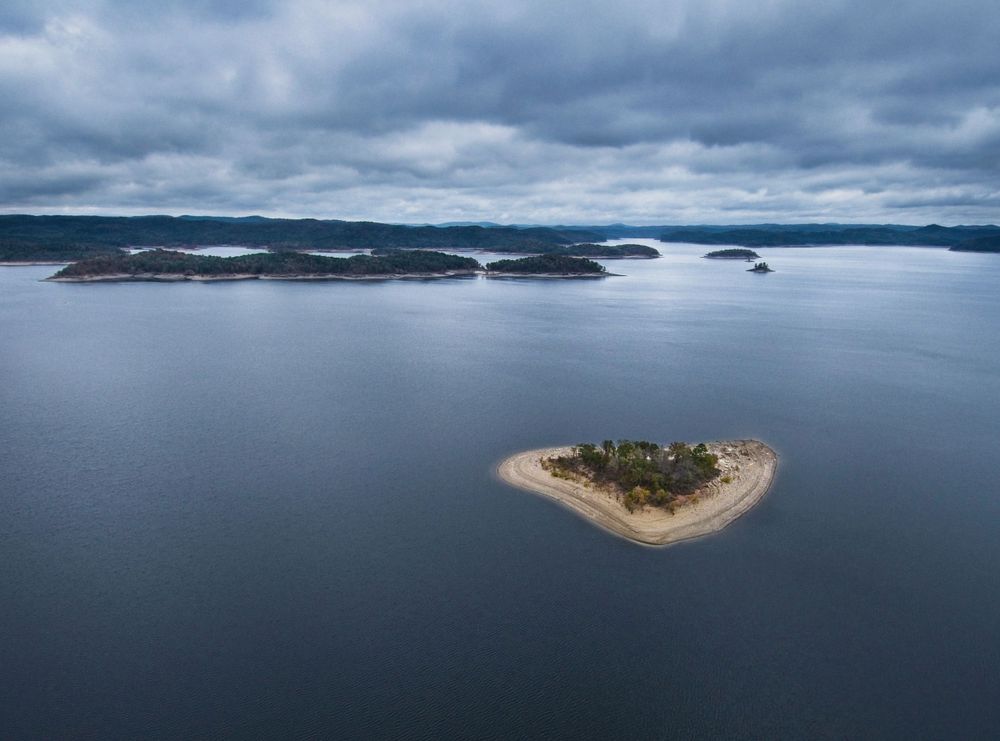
[[268, 509]]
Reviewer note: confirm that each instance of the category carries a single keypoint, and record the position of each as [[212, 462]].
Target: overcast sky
[[657, 111]]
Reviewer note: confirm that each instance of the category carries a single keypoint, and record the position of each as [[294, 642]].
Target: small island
[[169, 265], [546, 266], [736, 253], [647, 493], [760, 267]]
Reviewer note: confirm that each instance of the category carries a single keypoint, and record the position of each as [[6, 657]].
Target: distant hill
[[224, 218], [68, 238], [585, 249], [773, 235], [624, 231], [21, 234]]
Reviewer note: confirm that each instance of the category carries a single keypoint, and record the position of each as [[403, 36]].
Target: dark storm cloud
[[575, 111]]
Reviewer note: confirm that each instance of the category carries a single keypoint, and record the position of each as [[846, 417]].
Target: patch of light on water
[[213, 251]]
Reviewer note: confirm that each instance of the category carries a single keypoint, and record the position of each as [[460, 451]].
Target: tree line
[[170, 262], [107, 232], [556, 264], [385, 262]]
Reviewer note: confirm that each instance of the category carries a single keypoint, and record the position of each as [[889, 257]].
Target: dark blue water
[[268, 509]]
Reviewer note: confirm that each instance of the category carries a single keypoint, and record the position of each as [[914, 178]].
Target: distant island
[[645, 492], [736, 253], [170, 265], [760, 267]]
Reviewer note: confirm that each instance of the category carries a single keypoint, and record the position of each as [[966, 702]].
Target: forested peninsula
[[648, 493], [25, 237], [819, 235], [990, 243], [170, 265]]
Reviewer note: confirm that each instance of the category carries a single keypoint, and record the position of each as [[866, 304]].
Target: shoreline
[[177, 278], [750, 463], [489, 274]]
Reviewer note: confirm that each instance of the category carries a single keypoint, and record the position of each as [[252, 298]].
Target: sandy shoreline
[[750, 464]]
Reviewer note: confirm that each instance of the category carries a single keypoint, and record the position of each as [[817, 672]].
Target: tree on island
[[642, 473]]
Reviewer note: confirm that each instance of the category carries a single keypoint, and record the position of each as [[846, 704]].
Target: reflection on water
[[214, 251]]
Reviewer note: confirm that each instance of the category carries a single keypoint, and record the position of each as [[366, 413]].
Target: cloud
[[547, 112]]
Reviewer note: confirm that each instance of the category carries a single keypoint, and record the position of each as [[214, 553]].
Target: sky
[[637, 111]]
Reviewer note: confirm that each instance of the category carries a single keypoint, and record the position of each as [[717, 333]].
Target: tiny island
[[736, 253], [645, 492], [760, 267], [170, 265]]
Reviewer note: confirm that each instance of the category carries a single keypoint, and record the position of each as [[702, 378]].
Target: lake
[[269, 509]]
